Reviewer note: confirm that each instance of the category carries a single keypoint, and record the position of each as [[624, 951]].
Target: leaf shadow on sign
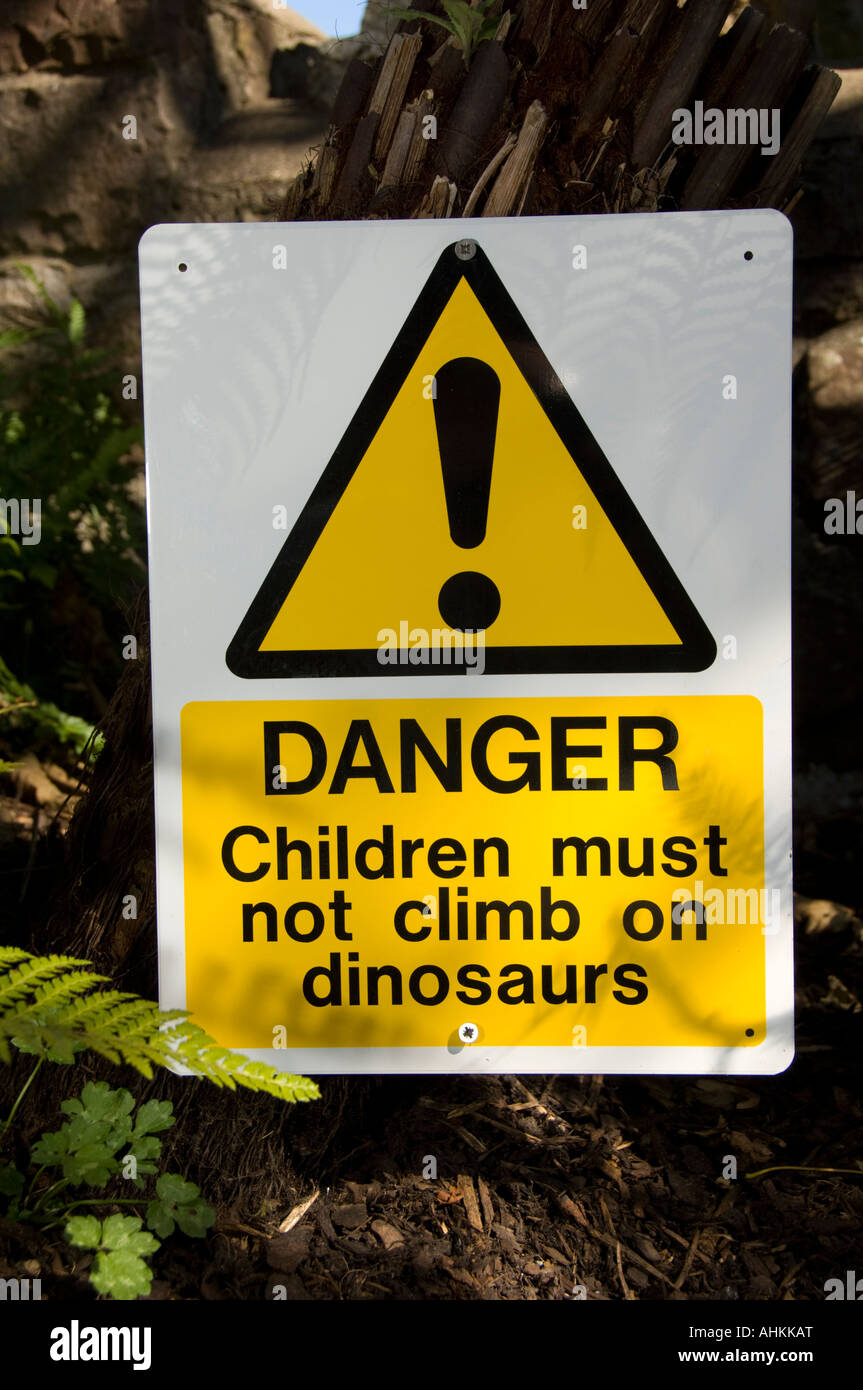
[[262, 1006], [746, 898], [236, 333], [656, 328]]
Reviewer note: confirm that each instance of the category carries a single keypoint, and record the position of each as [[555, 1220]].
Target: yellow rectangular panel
[[407, 873]]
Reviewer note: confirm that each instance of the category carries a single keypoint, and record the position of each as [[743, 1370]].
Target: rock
[[63, 34], [351, 1216], [389, 1236], [19, 301], [80, 234], [836, 368], [287, 1252], [57, 207], [11, 57], [817, 915], [210, 142], [33, 784], [245, 36], [835, 409]]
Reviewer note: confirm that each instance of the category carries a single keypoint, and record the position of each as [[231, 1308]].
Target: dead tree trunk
[[563, 111]]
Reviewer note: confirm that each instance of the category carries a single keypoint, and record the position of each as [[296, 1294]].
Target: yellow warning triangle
[[468, 494]]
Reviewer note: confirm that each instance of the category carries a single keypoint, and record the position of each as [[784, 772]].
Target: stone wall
[[117, 114]]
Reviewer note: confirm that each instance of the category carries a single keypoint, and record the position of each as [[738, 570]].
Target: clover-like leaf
[[152, 1116], [92, 1163], [85, 1231], [178, 1201], [100, 1103], [173, 1188], [121, 1274], [124, 1233], [195, 1219], [87, 1144], [119, 1269], [50, 1149]]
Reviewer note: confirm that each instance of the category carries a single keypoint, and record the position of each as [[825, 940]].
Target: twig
[[687, 1263], [627, 1291], [802, 1168], [572, 1209], [493, 164], [297, 1213]]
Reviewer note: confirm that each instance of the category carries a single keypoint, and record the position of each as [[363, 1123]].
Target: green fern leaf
[[54, 1007], [39, 286], [76, 322]]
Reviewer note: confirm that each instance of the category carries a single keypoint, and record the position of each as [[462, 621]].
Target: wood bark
[[607, 79]]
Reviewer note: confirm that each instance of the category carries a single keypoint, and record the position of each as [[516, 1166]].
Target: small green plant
[[469, 24], [101, 1142], [38, 723], [119, 1269], [53, 1007], [67, 451]]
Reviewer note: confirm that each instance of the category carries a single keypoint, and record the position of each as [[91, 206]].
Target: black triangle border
[[697, 649]]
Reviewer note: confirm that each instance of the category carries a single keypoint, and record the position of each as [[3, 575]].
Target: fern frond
[[54, 1006], [30, 971], [194, 1048], [63, 988]]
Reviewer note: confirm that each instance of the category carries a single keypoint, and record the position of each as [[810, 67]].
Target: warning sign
[[552, 872], [550, 493], [469, 445]]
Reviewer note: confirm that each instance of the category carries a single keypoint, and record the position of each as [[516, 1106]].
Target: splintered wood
[[569, 111]]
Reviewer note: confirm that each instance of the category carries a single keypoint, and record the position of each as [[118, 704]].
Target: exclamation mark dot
[[466, 407]]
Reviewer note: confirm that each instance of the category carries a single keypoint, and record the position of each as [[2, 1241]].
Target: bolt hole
[[748, 255], [750, 1032], [182, 266]]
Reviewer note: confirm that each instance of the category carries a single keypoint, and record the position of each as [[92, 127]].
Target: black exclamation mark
[[465, 408]]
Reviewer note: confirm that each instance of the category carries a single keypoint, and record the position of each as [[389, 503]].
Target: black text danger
[[506, 754]]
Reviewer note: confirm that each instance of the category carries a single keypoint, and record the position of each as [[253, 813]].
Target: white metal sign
[[470, 607]]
